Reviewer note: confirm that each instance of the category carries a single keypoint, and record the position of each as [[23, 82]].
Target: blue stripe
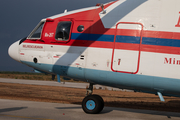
[[126, 39], [146, 83], [92, 37], [161, 42]]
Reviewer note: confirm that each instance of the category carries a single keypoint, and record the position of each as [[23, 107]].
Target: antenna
[[65, 11], [102, 6]]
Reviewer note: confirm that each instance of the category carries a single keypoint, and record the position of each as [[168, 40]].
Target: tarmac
[[30, 110]]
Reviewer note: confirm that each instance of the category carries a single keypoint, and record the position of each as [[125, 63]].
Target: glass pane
[[63, 31], [36, 34]]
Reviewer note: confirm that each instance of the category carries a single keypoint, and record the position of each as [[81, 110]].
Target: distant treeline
[[15, 72], [29, 76]]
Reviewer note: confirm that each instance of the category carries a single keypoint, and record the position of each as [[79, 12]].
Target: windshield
[[36, 33]]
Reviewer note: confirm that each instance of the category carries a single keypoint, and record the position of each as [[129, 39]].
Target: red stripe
[[146, 33], [161, 49], [124, 46]]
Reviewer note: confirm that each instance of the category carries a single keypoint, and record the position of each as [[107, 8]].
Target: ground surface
[[75, 96], [32, 110]]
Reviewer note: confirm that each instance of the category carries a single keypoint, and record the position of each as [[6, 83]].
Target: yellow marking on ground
[[14, 116]]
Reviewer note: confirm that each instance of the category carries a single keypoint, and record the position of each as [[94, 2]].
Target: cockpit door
[[71, 34]]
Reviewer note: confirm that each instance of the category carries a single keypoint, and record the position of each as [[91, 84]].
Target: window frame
[[70, 32], [36, 28]]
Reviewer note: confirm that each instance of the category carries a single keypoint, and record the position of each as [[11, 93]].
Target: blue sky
[[19, 17]]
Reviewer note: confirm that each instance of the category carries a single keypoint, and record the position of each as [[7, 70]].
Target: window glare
[[63, 31]]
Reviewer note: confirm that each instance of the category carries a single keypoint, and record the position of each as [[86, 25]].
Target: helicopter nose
[[14, 51]]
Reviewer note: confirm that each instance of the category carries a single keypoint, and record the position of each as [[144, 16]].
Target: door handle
[[119, 61]]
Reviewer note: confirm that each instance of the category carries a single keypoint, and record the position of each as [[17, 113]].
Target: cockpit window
[[63, 31], [36, 33]]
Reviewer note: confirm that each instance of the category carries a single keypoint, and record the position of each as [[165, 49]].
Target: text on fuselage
[[171, 61], [33, 46]]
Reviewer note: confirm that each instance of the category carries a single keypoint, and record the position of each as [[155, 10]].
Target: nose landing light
[[13, 51]]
